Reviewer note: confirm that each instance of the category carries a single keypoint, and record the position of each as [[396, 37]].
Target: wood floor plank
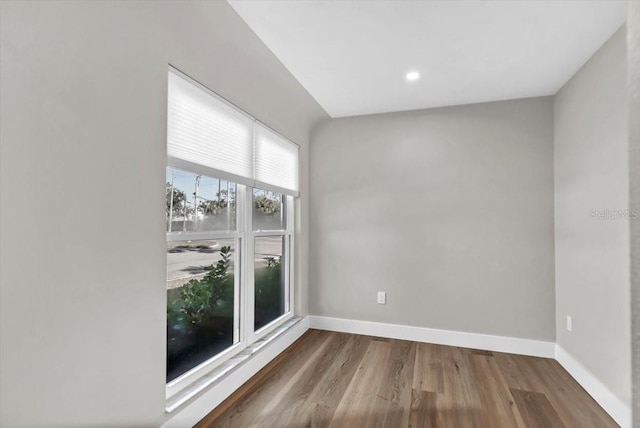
[[396, 387], [245, 412], [424, 410], [345, 380], [324, 401], [536, 410], [498, 405], [460, 405], [573, 404], [251, 387], [358, 405], [286, 403], [515, 374], [294, 408], [428, 374]]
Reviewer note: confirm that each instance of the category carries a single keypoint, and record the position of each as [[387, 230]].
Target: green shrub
[[195, 301], [200, 299]]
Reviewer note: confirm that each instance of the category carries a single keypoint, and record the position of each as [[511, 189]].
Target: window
[[213, 199], [230, 189], [271, 248], [202, 284]]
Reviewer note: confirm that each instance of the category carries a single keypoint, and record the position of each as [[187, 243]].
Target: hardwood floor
[[329, 379]]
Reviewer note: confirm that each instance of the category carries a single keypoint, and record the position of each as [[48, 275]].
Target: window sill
[[214, 376]]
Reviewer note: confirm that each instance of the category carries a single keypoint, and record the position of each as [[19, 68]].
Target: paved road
[[183, 262]]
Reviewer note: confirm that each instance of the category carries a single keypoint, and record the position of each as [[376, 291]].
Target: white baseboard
[[193, 412], [619, 411], [485, 342]]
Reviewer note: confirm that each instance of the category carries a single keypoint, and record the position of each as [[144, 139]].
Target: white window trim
[[188, 378], [244, 236]]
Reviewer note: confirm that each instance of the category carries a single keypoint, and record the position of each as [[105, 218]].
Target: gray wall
[[83, 113], [633, 80], [592, 254], [448, 210]]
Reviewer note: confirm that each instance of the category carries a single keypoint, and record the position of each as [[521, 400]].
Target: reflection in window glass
[[269, 279], [200, 302], [196, 203], [268, 210]]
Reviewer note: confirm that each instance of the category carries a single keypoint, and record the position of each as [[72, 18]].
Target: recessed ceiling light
[[413, 75]]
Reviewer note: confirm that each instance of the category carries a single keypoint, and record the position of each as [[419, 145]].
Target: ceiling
[[353, 56]]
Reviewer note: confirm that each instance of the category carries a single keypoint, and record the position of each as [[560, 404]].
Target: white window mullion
[[249, 275], [241, 221], [237, 290], [290, 224], [287, 273], [200, 236], [270, 232]]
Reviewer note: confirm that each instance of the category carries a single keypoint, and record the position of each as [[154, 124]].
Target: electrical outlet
[[382, 298], [569, 323]]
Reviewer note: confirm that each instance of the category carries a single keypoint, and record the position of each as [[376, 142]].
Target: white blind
[[276, 161], [204, 130], [206, 134]]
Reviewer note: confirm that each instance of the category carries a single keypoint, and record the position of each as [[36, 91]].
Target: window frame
[[244, 278], [187, 378], [288, 232]]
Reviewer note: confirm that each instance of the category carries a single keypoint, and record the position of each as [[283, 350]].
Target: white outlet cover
[[569, 323], [382, 298]]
